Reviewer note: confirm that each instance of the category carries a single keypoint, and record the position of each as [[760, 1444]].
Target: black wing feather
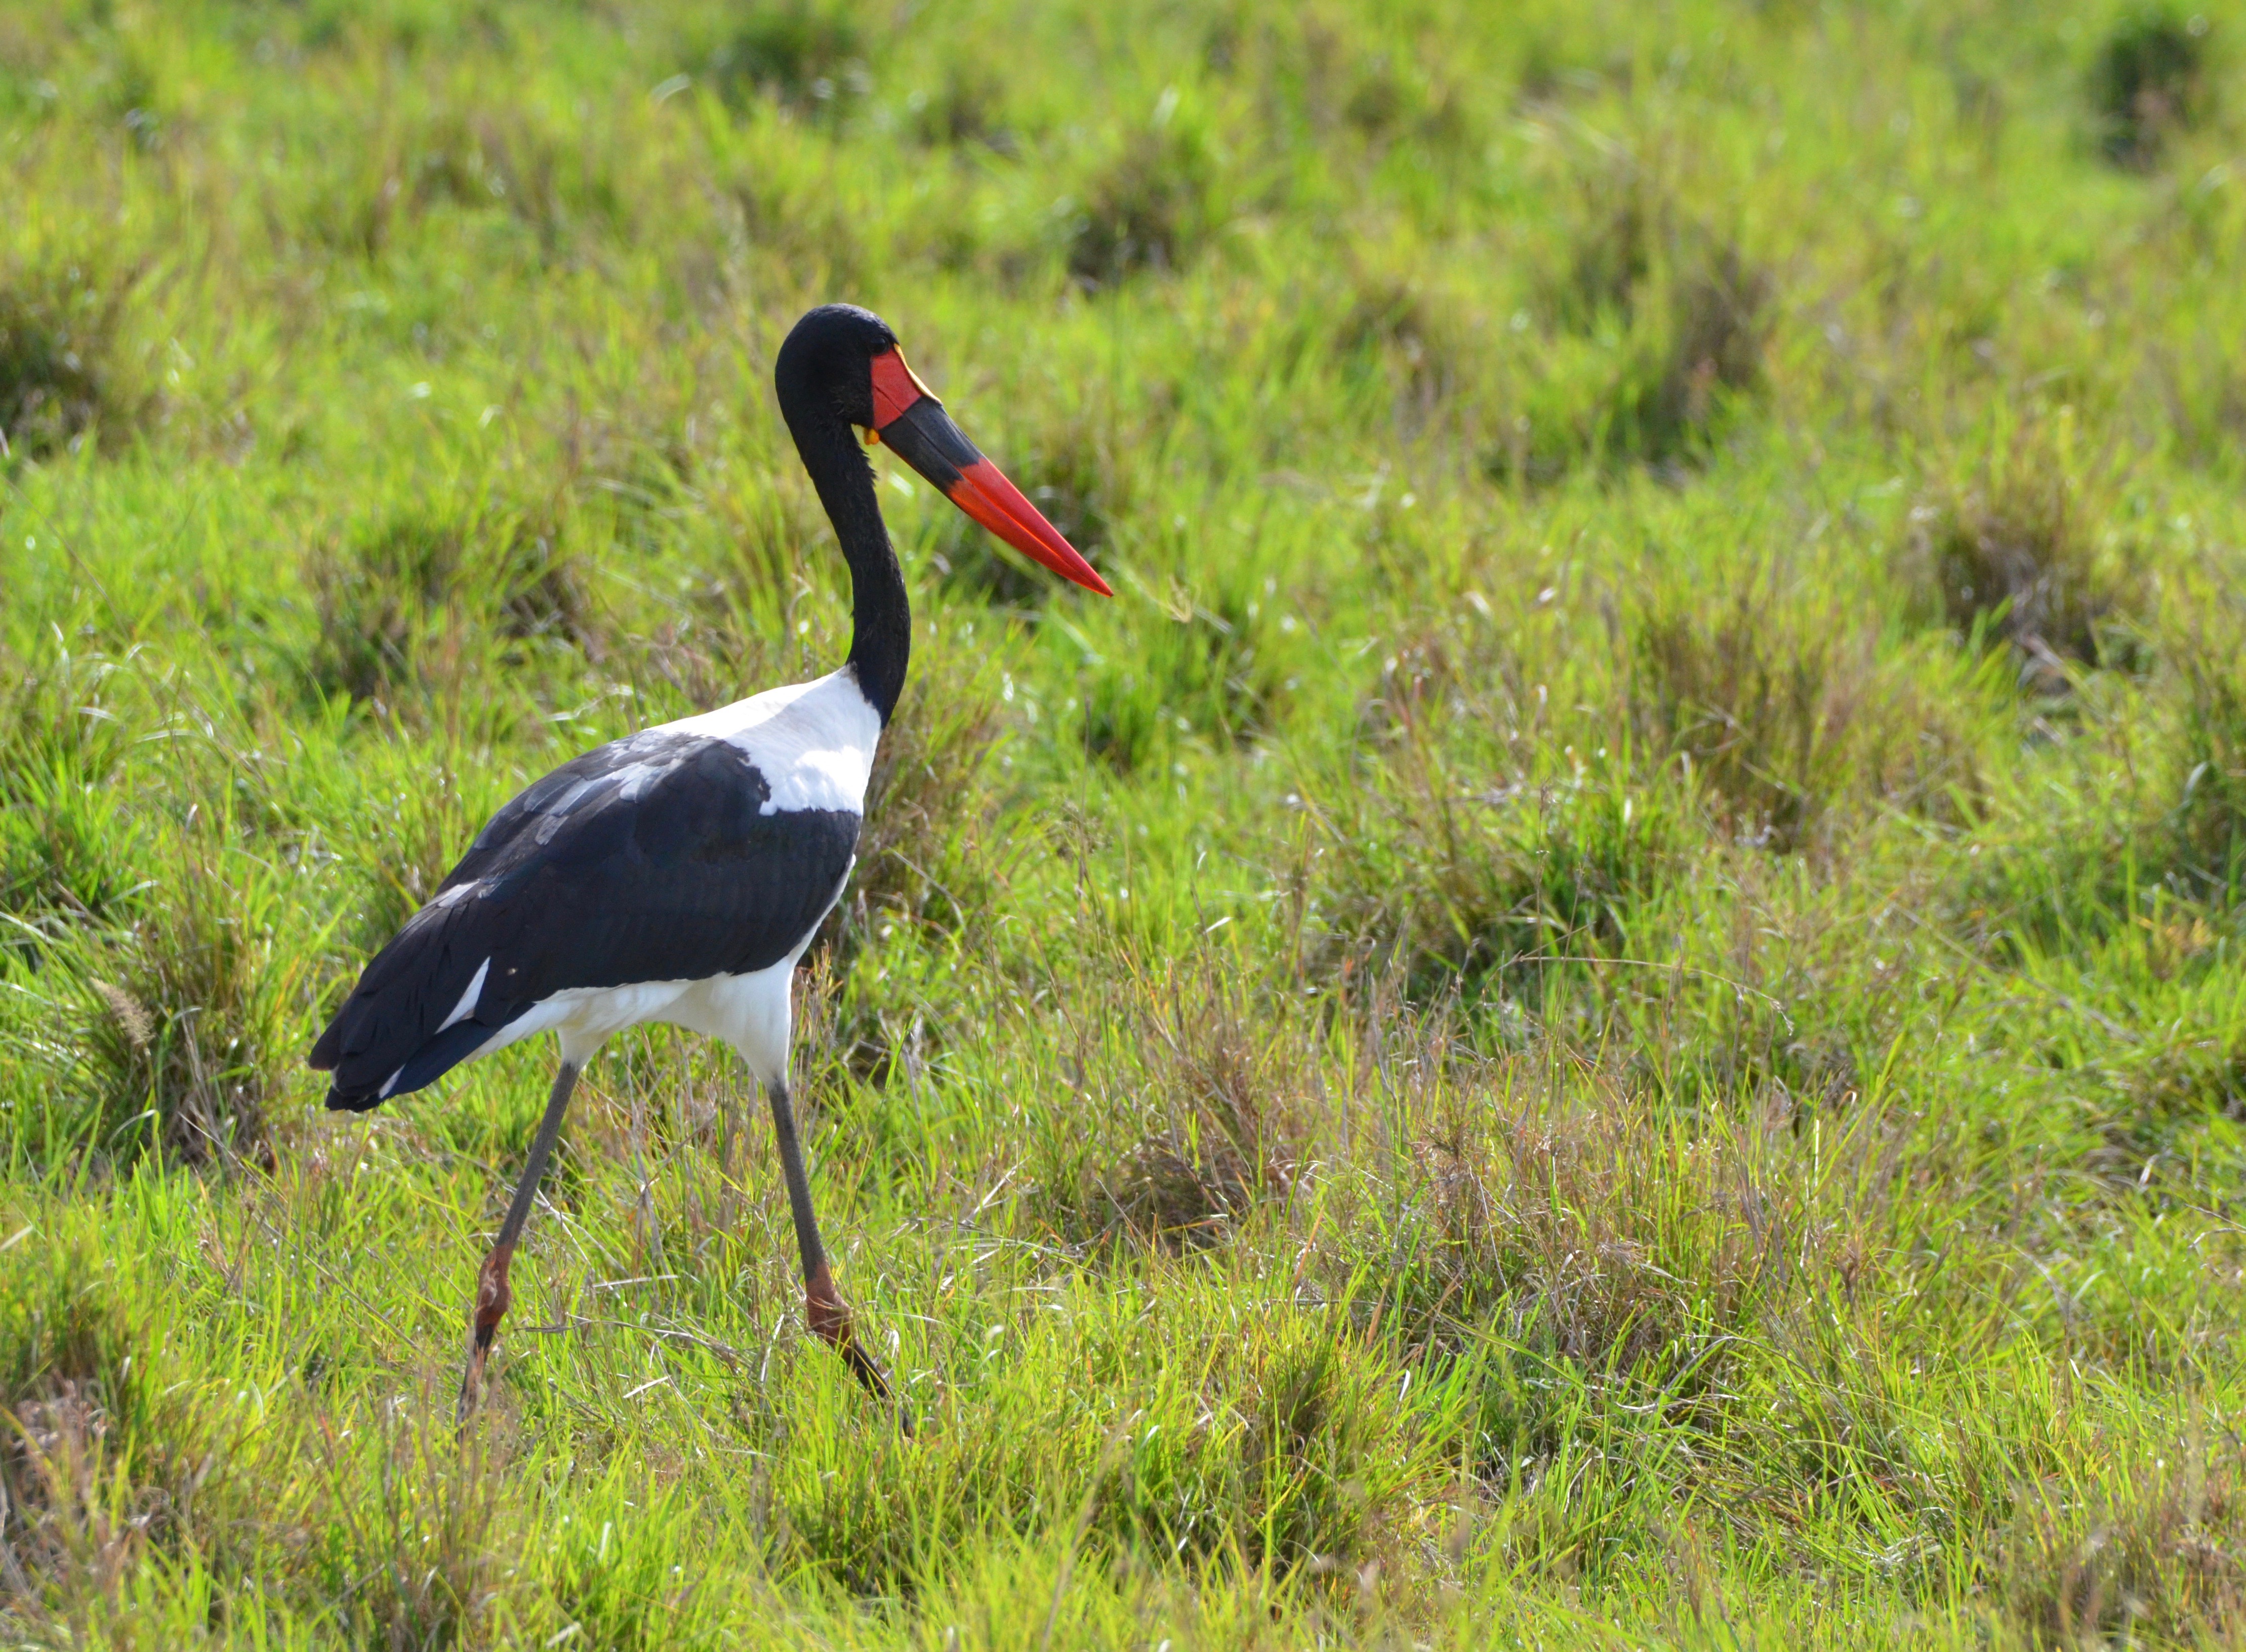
[[650, 858]]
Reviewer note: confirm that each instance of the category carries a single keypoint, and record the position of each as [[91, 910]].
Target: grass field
[[1604, 1009]]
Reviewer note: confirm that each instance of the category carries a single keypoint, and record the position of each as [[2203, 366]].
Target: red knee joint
[[492, 1293], [830, 1320]]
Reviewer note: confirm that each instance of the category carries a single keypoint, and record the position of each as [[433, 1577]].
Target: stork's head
[[850, 356]]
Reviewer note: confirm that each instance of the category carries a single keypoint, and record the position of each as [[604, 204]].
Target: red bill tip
[[985, 495]]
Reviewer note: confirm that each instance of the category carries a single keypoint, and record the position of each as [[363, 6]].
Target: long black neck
[[880, 615]]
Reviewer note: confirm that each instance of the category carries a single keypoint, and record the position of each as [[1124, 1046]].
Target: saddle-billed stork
[[677, 874]]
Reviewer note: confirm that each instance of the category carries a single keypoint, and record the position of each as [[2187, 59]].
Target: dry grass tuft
[[1458, 858], [1597, 1228], [377, 599], [410, 840], [1758, 716], [414, 161], [1781, 715], [64, 853], [2151, 1558], [186, 1028], [1621, 220], [1322, 1452], [1206, 1117], [1425, 337], [83, 1490], [2016, 547], [967, 106], [1712, 356], [419, 1567]]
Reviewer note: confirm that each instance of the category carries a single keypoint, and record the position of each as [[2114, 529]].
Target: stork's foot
[[492, 1299], [830, 1321]]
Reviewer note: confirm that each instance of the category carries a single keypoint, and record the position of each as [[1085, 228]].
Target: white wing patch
[[812, 742], [467, 1006]]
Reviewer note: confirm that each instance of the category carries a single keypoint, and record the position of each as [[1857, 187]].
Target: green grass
[[1604, 1007]]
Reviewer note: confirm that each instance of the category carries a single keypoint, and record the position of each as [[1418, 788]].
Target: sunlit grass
[[1604, 1007]]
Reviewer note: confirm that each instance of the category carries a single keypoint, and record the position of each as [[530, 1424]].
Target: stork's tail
[[394, 1034]]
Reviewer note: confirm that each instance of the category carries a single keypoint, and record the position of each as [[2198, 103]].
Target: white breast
[[812, 742]]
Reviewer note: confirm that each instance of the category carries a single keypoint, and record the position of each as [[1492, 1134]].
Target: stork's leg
[[823, 1306], [492, 1294]]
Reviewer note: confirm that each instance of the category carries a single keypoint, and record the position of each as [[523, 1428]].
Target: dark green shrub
[[386, 595], [967, 106], [64, 374], [2150, 79], [1150, 206], [809, 55], [1684, 311]]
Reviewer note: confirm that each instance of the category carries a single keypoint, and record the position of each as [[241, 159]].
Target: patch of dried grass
[[2151, 1558], [2015, 543], [1200, 1106], [1782, 716]]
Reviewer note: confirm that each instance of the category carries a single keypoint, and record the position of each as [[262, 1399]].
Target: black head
[[828, 361], [842, 360]]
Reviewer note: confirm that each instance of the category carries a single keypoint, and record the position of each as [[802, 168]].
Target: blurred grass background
[[1604, 1007]]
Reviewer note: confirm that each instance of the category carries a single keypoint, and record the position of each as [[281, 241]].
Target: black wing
[[648, 859]]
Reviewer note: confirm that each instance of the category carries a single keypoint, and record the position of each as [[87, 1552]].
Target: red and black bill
[[909, 420]]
